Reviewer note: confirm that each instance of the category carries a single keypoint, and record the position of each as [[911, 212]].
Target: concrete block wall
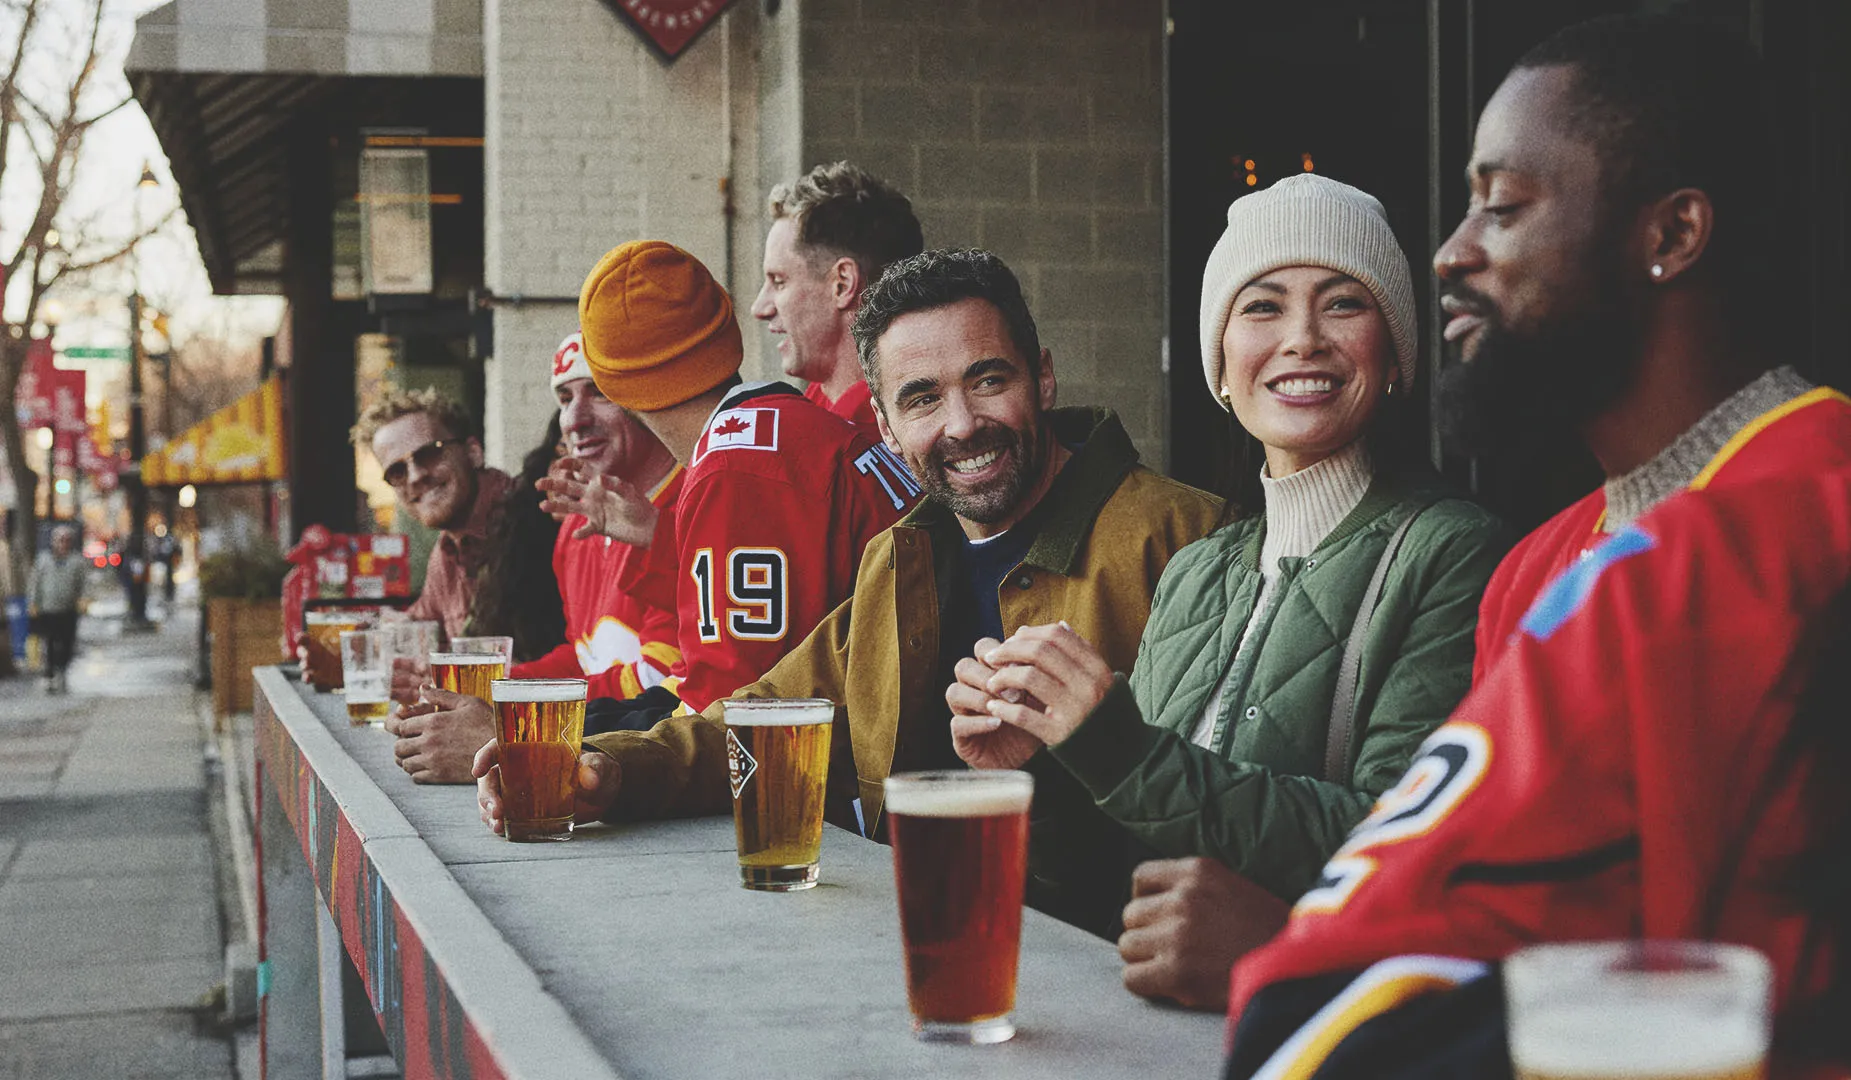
[[591, 141], [1033, 128]]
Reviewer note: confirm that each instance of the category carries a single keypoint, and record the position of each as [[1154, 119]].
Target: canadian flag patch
[[743, 429]]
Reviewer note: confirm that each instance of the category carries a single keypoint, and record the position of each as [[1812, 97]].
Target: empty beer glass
[[414, 639], [777, 754], [539, 725], [366, 670], [960, 863], [1638, 1010]]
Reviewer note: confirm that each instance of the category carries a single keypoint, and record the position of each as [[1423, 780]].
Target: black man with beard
[[1641, 754]]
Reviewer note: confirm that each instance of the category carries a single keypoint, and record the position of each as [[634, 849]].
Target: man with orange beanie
[[779, 496]]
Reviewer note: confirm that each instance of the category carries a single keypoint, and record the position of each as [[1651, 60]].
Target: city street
[[110, 919]]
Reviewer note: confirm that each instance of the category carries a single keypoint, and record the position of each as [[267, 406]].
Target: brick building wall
[[1033, 128], [592, 141]]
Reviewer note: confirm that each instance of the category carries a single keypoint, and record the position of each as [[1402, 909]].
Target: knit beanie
[[658, 330], [569, 360], [1307, 220]]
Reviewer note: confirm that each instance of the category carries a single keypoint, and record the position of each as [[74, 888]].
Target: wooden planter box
[[245, 634]]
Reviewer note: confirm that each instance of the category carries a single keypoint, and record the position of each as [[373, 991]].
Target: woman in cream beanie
[[1264, 716]]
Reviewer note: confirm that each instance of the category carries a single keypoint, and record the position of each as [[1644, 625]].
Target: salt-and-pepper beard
[[1000, 497]]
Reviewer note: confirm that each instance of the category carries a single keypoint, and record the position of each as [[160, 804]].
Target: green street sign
[[96, 352]]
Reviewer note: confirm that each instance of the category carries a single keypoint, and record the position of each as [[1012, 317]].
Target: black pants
[[59, 629]]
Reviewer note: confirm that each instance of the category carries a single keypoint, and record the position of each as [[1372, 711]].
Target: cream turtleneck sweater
[[1301, 510]]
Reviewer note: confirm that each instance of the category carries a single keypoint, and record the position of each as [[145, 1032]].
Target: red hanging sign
[[669, 25], [38, 381]]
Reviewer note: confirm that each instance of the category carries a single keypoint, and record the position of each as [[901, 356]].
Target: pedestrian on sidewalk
[[57, 585]]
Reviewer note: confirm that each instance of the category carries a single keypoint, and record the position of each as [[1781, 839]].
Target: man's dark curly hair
[[934, 279]]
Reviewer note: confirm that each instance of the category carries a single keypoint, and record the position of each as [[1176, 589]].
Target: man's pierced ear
[[1682, 224]]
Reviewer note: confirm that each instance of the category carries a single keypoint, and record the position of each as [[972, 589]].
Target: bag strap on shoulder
[[1342, 728]]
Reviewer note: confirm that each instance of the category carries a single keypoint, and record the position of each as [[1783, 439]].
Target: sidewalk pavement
[[110, 923]]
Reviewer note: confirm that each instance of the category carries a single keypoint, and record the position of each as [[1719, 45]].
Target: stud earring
[[1391, 390], [1657, 271]]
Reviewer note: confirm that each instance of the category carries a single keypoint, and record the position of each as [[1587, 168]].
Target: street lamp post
[[137, 554]]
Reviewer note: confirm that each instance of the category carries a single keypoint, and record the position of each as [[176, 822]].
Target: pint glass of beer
[[777, 754], [539, 724], [322, 639], [1638, 1010], [960, 863], [366, 669], [467, 673]]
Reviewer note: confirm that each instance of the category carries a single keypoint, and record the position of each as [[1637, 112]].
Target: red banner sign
[[669, 25], [49, 396]]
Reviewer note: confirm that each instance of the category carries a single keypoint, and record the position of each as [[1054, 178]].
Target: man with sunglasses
[[423, 443]]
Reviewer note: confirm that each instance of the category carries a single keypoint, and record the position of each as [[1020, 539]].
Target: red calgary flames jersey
[[779, 500], [1613, 772], [620, 607]]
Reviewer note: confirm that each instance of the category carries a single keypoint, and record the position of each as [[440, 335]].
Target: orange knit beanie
[[658, 329]]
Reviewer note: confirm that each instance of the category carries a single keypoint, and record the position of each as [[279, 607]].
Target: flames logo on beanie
[[569, 360]]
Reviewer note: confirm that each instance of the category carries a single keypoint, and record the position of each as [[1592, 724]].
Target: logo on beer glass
[[740, 764]]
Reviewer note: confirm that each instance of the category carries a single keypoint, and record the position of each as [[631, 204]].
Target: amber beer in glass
[[467, 673], [1638, 1010], [777, 755], [539, 725], [960, 863], [322, 638]]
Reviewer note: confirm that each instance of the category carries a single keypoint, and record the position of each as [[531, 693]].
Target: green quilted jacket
[[1255, 800]]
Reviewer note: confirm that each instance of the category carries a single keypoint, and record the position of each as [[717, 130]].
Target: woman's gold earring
[[1391, 390]]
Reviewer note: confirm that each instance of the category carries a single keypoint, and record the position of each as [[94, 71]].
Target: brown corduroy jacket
[[1106, 529]]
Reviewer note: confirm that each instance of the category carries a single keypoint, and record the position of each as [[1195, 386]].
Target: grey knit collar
[[1631, 494]]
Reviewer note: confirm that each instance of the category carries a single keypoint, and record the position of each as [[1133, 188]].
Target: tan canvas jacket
[[1107, 529]]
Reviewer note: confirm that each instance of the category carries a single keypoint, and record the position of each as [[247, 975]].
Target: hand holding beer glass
[[960, 864], [366, 671], [777, 755], [1638, 1010], [539, 725]]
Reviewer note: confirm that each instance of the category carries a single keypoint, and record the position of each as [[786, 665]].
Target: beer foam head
[[975, 793], [536, 689], [765, 712], [460, 658]]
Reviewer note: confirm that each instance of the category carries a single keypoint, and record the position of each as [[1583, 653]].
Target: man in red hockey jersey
[[619, 599], [1640, 755], [832, 234], [779, 495]]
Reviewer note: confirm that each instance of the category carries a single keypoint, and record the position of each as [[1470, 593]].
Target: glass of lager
[[467, 673], [960, 864], [777, 755], [366, 669], [539, 724], [322, 632], [1638, 1010], [501, 646]]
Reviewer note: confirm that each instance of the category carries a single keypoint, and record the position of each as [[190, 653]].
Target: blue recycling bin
[[16, 624]]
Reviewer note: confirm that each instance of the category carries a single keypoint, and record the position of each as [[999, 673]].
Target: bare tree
[[49, 103]]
